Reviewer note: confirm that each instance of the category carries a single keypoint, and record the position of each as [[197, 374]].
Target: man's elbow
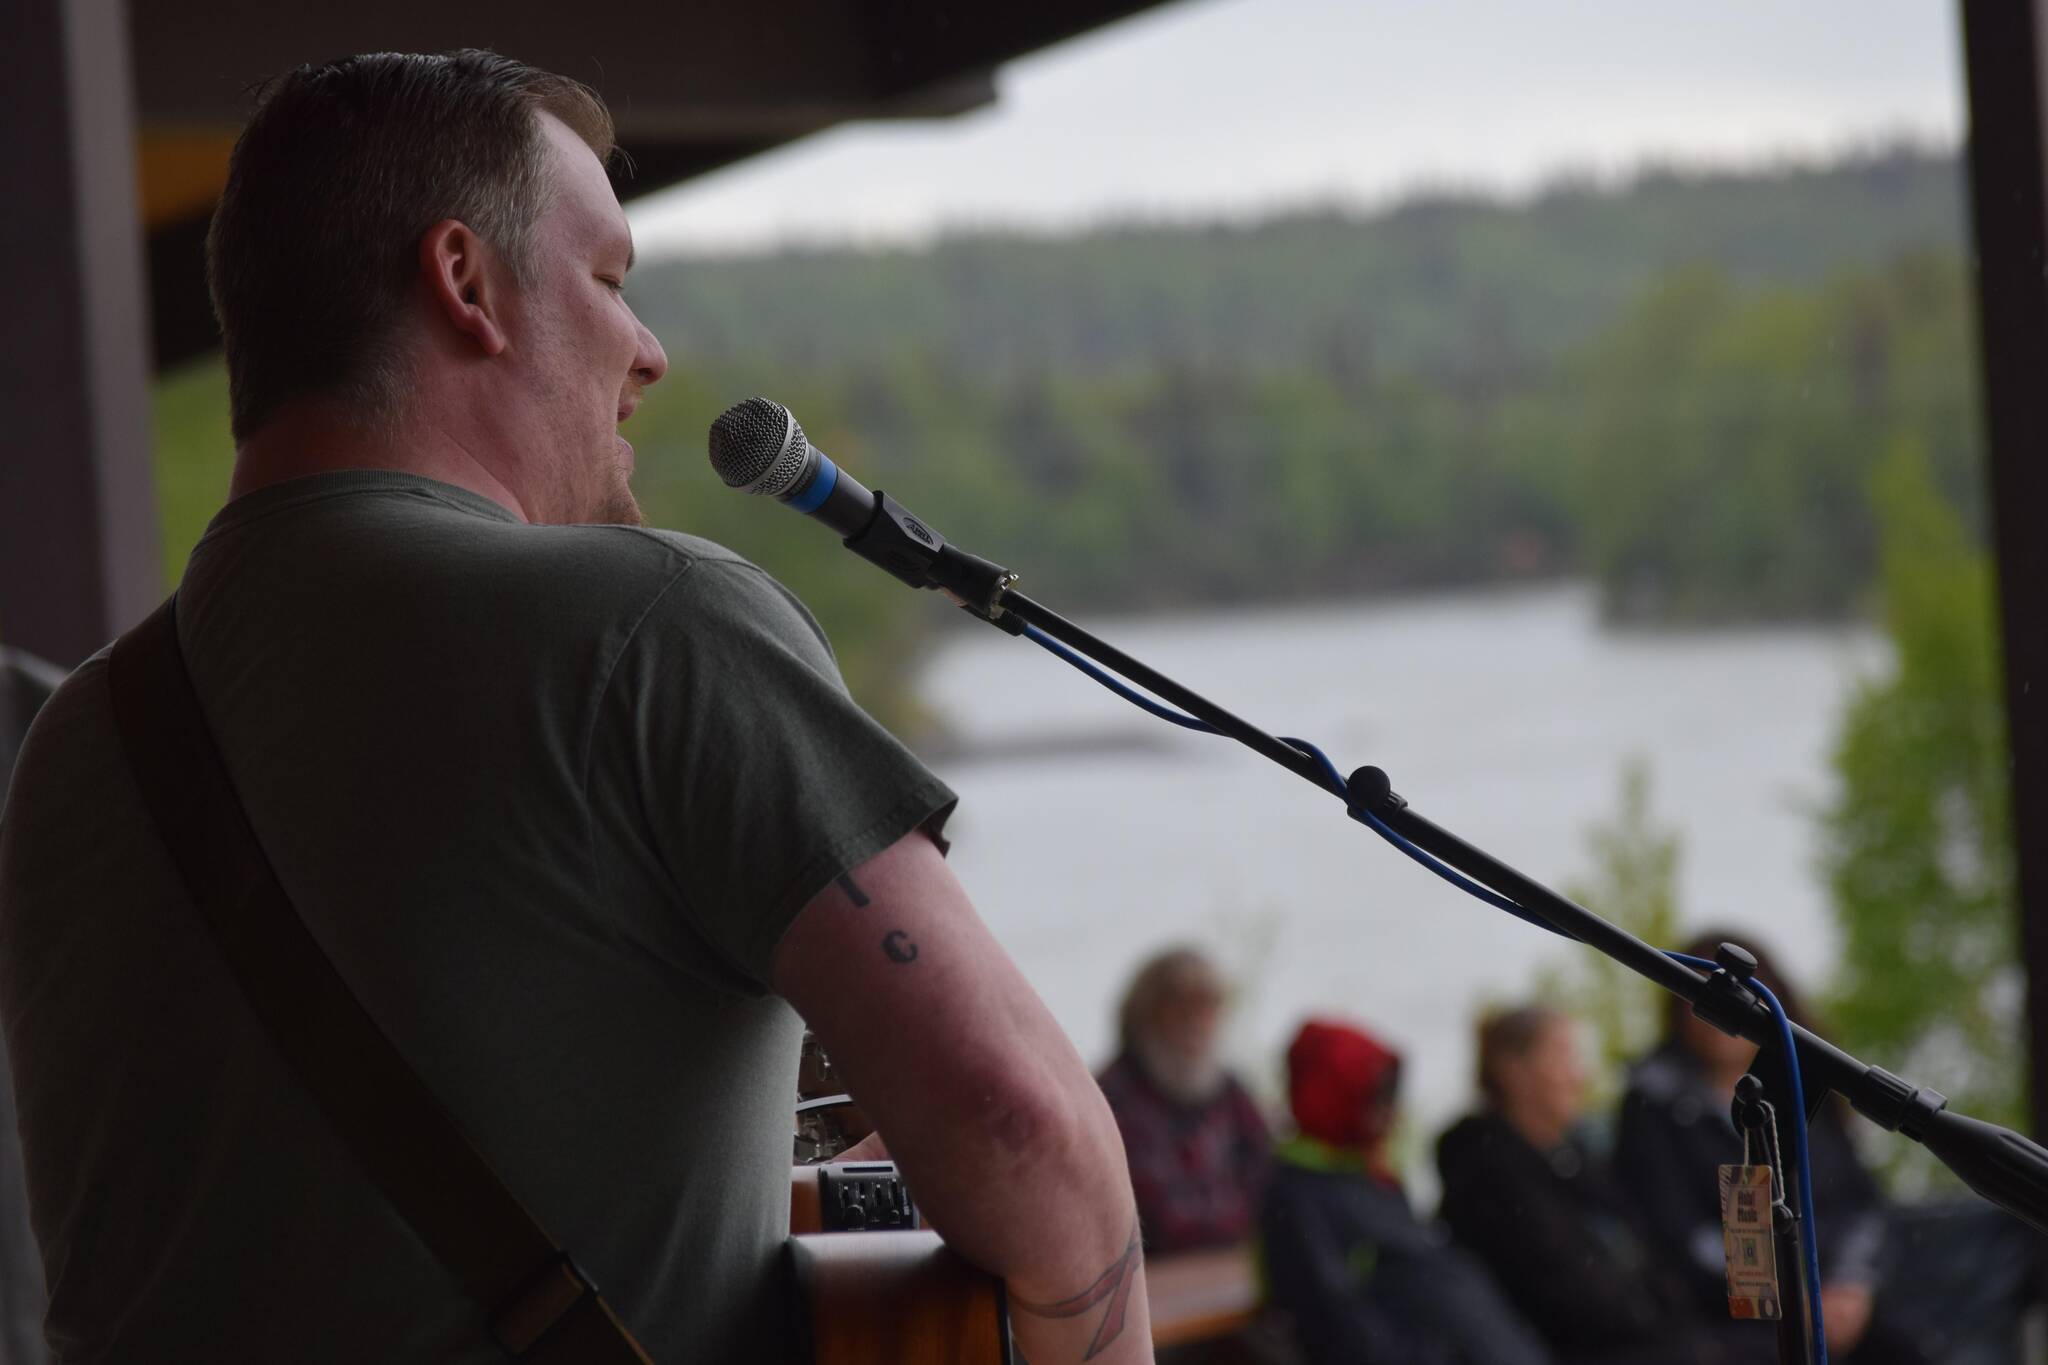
[[1036, 1125]]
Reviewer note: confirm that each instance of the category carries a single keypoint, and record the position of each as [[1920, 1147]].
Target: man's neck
[[301, 442]]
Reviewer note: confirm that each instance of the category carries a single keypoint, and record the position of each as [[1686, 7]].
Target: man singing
[[579, 810]]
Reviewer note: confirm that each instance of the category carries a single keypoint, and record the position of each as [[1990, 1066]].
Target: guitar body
[[886, 1295], [898, 1298]]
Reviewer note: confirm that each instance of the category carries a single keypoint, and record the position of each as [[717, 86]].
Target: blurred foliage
[[1730, 439], [1918, 840], [1706, 459], [1917, 843], [1678, 385], [1633, 884], [194, 456], [1453, 288]]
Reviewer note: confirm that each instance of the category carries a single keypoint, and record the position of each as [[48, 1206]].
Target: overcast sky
[[1207, 107]]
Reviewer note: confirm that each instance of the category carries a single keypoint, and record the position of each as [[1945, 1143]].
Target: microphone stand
[[1755, 1121], [2002, 1166]]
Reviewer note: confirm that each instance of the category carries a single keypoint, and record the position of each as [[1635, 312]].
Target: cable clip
[[1727, 1002], [1370, 789]]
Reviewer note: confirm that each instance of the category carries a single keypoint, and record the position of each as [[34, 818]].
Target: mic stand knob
[[975, 583]]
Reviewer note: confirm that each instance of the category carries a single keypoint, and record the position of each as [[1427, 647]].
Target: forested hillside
[[1444, 286], [1680, 385]]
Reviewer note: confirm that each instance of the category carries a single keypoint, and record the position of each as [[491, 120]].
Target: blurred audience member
[[1676, 1132], [1196, 1143], [1362, 1280], [1545, 1216], [1939, 1283]]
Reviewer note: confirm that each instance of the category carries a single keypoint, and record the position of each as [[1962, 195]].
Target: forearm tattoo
[[1113, 1286], [853, 891]]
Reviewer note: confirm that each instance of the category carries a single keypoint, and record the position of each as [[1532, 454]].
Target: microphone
[[758, 447]]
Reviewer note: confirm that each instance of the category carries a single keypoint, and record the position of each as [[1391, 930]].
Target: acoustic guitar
[[880, 1290], [892, 1294]]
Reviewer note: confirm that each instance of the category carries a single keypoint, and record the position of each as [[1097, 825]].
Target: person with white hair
[[1196, 1142]]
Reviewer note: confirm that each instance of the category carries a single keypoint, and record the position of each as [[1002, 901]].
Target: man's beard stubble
[[610, 504], [623, 509]]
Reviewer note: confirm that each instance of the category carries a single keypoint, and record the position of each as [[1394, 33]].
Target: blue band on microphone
[[821, 486]]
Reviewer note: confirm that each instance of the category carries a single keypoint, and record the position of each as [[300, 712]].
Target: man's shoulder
[[629, 559], [580, 579], [647, 599], [622, 557], [702, 586], [400, 532], [80, 698], [70, 747], [653, 545]]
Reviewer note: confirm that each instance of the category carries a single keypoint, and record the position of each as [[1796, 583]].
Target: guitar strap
[[538, 1305]]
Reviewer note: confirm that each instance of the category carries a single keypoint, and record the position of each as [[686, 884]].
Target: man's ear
[[456, 271]]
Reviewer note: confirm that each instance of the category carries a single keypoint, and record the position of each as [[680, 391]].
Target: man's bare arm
[[1000, 1130]]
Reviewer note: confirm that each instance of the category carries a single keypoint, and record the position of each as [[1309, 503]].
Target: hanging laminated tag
[[1746, 1241]]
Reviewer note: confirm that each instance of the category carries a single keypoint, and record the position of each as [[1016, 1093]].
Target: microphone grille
[[757, 446]]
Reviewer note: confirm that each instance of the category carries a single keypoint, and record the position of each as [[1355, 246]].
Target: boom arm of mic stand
[[1016, 604], [2005, 1168]]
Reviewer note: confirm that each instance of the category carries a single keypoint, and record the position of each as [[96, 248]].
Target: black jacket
[[1675, 1133], [1563, 1243], [1364, 1282]]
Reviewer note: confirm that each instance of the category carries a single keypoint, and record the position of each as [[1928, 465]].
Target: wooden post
[[2008, 177], [78, 518]]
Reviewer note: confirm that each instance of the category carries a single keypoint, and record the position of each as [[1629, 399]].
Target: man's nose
[[650, 362]]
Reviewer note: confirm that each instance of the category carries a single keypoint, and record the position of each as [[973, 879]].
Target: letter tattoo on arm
[[898, 946], [853, 891], [1114, 1285]]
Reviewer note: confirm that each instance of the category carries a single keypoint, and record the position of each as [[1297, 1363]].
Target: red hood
[[1333, 1071]]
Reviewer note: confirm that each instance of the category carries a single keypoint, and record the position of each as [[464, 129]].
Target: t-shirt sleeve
[[759, 779]]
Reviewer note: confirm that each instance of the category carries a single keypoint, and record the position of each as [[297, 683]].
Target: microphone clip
[[895, 540], [898, 542]]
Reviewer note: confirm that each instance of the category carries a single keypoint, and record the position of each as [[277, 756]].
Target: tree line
[[1678, 386]]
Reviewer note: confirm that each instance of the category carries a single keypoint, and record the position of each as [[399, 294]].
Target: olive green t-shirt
[[548, 796]]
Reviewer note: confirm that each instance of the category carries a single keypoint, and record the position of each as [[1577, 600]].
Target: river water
[[1090, 834]]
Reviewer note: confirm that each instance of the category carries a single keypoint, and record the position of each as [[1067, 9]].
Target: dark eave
[[693, 87]]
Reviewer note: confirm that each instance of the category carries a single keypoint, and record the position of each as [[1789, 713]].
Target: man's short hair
[[313, 250]]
